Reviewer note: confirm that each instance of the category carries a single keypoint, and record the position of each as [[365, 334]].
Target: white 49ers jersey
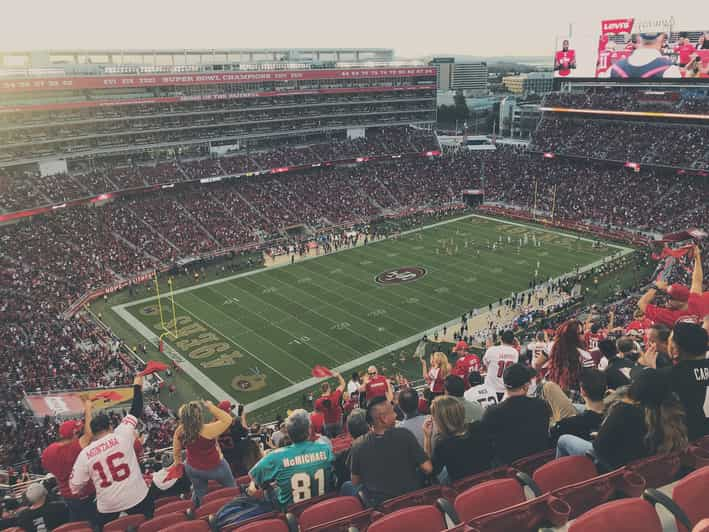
[[111, 464]]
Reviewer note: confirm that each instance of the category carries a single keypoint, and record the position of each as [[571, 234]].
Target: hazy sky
[[413, 28]]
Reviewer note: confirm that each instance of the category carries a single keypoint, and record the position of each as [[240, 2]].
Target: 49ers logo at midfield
[[400, 275]]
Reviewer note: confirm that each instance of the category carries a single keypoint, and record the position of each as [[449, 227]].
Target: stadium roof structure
[[72, 59]]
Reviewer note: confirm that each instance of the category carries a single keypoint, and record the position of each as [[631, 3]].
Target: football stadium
[[295, 289]]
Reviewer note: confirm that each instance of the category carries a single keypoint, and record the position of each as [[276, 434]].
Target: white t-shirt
[[481, 394], [111, 464], [496, 359]]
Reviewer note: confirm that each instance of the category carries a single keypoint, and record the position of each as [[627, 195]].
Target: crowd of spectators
[[47, 262], [640, 142], [23, 188], [631, 99]]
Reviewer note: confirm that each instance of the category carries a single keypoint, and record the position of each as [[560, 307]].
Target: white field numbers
[[301, 485]]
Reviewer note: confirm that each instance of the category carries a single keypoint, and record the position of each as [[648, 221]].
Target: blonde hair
[[449, 415], [192, 421], [440, 360]]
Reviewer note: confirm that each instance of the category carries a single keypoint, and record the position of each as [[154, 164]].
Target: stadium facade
[[69, 111]]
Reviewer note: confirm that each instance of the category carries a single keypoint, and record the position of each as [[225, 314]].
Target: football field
[[255, 337]]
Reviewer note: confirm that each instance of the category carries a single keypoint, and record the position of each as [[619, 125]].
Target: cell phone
[[240, 410]]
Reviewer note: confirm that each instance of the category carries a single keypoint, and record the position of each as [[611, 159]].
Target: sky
[[413, 29]]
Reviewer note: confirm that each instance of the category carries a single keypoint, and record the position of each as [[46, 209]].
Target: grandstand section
[[107, 128]]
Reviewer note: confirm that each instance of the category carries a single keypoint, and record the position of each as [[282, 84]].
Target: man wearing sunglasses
[[375, 385]]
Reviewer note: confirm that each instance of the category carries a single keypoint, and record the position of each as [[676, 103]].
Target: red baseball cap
[[678, 292], [69, 428], [225, 405]]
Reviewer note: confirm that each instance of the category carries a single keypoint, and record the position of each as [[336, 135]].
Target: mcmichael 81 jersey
[[111, 464], [302, 470]]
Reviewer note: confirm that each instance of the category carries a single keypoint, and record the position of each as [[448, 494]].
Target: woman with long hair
[[641, 419], [461, 449], [567, 358], [440, 369], [205, 460]]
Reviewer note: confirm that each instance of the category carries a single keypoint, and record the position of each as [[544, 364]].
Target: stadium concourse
[[639, 380]]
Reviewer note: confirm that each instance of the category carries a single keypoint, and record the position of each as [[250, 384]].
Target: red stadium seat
[[600, 489], [564, 471], [124, 523], [221, 494], [158, 523], [658, 470], [243, 481], [162, 501], [418, 518], [530, 463], [527, 516], [491, 474], [253, 520], [199, 525], [488, 497], [265, 525], [690, 494], [178, 506], [329, 510], [627, 515], [422, 497], [211, 507], [73, 526], [213, 485], [297, 508], [359, 521]]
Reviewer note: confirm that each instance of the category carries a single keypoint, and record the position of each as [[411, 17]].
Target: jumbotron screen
[[628, 48]]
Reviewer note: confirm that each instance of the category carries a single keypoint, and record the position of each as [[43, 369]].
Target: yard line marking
[[266, 320], [319, 331], [238, 346]]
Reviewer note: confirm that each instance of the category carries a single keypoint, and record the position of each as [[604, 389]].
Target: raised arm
[[341, 384], [648, 296], [136, 407], [697, 273], [216, 428], [87, 435]]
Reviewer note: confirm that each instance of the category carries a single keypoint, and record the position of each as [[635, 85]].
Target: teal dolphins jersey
[[301, 471]]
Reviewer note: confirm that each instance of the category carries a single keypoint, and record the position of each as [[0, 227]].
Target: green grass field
[[254, 337]]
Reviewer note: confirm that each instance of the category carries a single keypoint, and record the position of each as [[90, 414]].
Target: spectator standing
[[567, 358], [375, 385], [436, 375], [519, 425], [496, 359], [58, 459], [677, 306], [205, 460], [387, 461], [461, 448], [232, 441], [329, 405], [111, 464], [689, 378]]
